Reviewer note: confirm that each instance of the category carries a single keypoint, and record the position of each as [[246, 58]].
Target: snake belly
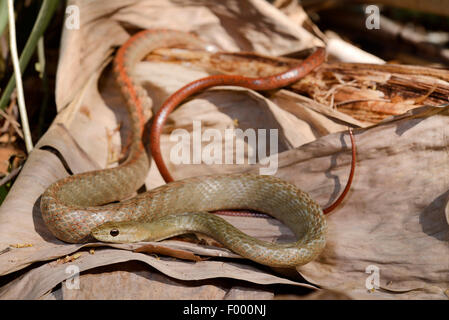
[[78, 208]]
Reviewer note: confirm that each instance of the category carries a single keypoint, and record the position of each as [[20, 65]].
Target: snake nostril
[[114, 232]]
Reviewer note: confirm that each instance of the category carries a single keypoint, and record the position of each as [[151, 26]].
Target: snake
[[86, 207]]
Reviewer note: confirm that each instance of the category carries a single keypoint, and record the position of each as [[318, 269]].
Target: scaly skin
[[73, 209], [182, 205]]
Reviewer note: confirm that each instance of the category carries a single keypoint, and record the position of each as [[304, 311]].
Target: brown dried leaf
[[394, 217], [158, 249]]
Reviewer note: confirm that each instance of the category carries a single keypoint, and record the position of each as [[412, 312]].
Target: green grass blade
[[43, 18], [3, 15]]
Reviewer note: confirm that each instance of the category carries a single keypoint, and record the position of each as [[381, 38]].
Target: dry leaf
[[394, 217], [181, 254]]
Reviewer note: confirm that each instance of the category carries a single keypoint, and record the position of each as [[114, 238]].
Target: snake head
[[119, 232]]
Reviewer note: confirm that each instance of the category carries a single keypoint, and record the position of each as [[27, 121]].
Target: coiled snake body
[[79, 207]]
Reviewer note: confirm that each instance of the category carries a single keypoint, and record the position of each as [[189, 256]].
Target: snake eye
[[114, 232]]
